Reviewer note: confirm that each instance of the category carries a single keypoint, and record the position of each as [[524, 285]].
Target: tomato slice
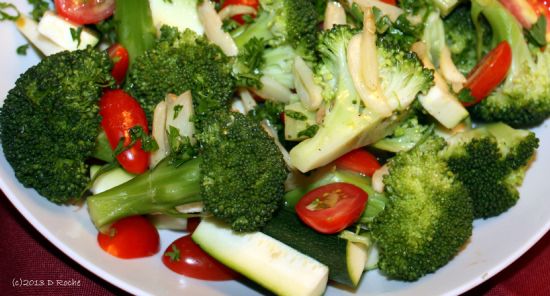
[[119, 56], [489, 72], [120, 113], [131, 237], [391, 2], [360, 161], [239, 18], [85, 12], [185, 257], [332, 207]]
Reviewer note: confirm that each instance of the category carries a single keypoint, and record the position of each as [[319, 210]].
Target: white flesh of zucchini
[[108, 179], [357, 257], [58, 30], [176, 13], [263, 259], [29, 28]]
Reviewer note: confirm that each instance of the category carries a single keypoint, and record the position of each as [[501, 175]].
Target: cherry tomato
[[360, 161], [121, 112], [185, 257], [332, 207], [192, 224], [131, 237], [119, 56], [239, 18], [489, 72], [85, 12], [391, 2]]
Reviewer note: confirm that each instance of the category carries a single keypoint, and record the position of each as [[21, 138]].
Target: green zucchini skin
[[328, 249]]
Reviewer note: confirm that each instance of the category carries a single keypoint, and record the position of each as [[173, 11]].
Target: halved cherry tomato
[[85, 12], [239, 18], [489, 72], [391, 2], [131, 237], [121, 112], [332, 207], [119, 56], [185, 257], [360, 161]]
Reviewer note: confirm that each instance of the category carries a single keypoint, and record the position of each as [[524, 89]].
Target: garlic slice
[[273, 90], [159, 134], [308, 91], [213, 28], [334, 15]]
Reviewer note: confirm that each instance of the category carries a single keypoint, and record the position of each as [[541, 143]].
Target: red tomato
[[489, 72], [121, 112], [391, 2], [192, 224], [332, 207], [185, 257], [239, 18], [85, 12], [360, 161], [131, 237], [119, 56]]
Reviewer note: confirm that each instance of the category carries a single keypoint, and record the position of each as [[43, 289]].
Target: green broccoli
[[524, 97], [239, 175], [50, 121], [461, 38], [428, 217], [405, 136], [491, 162], [348, 124], [181, 61], [282, 22], [281, 31]]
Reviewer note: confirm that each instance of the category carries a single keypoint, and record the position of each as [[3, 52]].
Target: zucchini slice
[[263, 259]]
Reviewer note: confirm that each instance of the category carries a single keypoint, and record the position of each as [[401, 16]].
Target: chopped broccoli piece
[[404, 137], [292, 22], [348, 124], [181, 61], [491, 161], [239, 175], [524, 97], [50, 121], [461, 38], [281, 31], [428, 217]]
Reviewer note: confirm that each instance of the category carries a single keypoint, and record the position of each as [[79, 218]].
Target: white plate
[[495, 244]]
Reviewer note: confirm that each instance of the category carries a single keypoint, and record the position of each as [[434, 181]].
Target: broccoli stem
[[135, 29], [258, 29], [156, 191]]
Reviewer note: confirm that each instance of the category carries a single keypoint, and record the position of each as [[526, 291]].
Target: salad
[[373, 143]]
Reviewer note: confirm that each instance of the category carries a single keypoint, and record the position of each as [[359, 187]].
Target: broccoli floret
[[405, 136], [524, 97], [348, 124], [461, 38], [428, 217], [267, 46], [181, 61], [50, 121], [293, 22], [491, 161], [239, 175]]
